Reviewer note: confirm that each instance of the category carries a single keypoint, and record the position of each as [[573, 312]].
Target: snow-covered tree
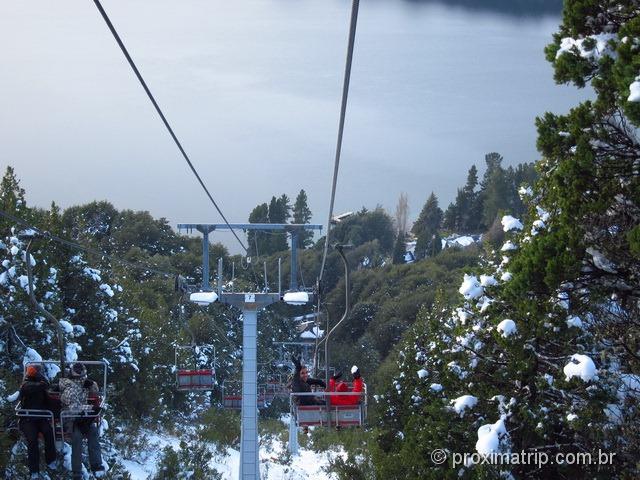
[[541, 354]]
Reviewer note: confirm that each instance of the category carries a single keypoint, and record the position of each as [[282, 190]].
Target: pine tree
[[451, 217], [399, 249], [258, 243], [279, 212], [12, 198], [462, 215], [470, 206], [495, 189], [302, 215], [426, 228], [430, 216]]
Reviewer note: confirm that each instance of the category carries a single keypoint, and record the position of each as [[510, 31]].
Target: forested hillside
[[540, 352], [108, 277]]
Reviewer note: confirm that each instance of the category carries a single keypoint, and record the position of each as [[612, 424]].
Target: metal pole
[[249, 467], [347, 309], [293, 431], [293, 285], [266, 281], [205, 259]]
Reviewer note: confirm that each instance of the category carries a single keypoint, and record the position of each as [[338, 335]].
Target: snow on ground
[[145, 463], [464, 241], [506, 276], [574, 321], [66, 326], [460, 241], [306, 465]]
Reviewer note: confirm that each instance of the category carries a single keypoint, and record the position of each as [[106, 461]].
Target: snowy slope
[[306, 465]]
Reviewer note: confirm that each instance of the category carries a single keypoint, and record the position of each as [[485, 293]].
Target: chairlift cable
[[162, 117], [300, 271], [343, 108], [223, 334]]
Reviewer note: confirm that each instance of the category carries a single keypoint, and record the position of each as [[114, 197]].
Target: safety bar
[[322, 415], [74, 415], [323, 394], [33, 412]]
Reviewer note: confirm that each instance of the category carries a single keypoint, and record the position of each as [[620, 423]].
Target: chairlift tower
[[293, 229], [249, 303]]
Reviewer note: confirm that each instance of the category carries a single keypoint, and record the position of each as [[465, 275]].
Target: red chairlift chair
[[195, 379]]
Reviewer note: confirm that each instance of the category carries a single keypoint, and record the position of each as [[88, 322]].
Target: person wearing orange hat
[[33, 396]]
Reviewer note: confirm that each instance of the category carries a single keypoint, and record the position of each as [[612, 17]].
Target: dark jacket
[[300, 386], [33, 393]]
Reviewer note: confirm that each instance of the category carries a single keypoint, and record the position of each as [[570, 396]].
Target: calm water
[[252, 87]]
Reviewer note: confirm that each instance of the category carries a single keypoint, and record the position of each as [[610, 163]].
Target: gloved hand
[[337, 375]]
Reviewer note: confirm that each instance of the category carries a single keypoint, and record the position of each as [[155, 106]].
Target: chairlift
[[195, 379], [232, 395], [55, 414], [340, 416], [276, 386]]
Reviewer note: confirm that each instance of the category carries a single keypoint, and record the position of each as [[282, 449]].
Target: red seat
[[204, 371], [195, 379]]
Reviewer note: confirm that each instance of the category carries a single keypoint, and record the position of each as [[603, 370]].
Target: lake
[[252, 88]]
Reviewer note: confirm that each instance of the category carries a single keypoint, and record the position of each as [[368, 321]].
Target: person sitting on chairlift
[[33, 396], [302, 383], [74, 392], [342, 387]]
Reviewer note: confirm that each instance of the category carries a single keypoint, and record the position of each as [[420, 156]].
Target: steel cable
[[343, 109], [163, 118]]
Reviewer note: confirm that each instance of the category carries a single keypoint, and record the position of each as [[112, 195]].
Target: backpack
[[73, 396]]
